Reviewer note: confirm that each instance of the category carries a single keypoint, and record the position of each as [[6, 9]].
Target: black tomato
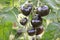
[[36, 21], [39, 30], [43, 10], [31, 32], [23, 21], [26, 10]]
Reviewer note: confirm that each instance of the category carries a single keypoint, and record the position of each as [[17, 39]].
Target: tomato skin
[[43, 10], [39, 30], [36, 21], [26, 10], [31, 32], [23, 21]]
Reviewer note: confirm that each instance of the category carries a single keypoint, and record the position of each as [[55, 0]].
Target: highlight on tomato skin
[[23, 21], [31, 32], [26, 9], [43, 10], [36, 21]]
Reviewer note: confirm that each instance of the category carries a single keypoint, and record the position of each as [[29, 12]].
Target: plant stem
[[38, 3], [25, 34]]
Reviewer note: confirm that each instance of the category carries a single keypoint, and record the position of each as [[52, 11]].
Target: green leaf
[[51, 16], [10, 14], [7, 19], [51, 3], [52, 32], [5, 30]]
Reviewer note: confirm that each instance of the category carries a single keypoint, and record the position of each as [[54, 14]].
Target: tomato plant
[[40, 19]]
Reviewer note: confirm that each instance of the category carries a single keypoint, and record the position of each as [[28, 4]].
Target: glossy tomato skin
[[31, 32], [43, 10], [36, 21], [39, 30], [23, 21], [26, 10]]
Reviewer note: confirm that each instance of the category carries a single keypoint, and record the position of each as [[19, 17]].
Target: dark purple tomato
[[31, 32], [39, 30], [26, 10], [23, 21], [43, 10], [36, 21]]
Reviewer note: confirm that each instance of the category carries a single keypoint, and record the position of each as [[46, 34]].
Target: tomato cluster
[[36, 21]]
